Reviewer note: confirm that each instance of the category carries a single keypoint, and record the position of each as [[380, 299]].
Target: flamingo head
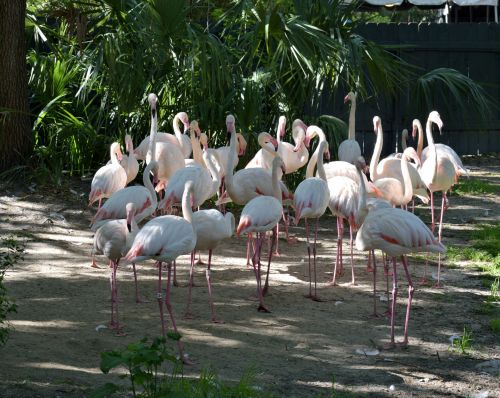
[[230, 123], [299, 134], [129, 145], [282, 126], [265, 138], [377, 122], [184, 118], [153, 102], [311, 132], [411, 154], [115, 149], [242, 144], [360, 163], [131, 210], [204, 141], [195, 128], [435, 118], [349, 97], [415, 126]]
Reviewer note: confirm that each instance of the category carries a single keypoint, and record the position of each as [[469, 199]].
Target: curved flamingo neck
[[262, 143], [432, 150], [281, 127], [115, 147], [407, 185], [321, 168], [146, 180], [228, 178], [175, 125], [195, 144], [420, 142], [377, 150], [312, 163], [152, 136], [403, 141], [213, 171], [187, 212], [275, 178], [352, 119]]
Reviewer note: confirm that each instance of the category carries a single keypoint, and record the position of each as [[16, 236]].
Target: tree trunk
[[16, 141]]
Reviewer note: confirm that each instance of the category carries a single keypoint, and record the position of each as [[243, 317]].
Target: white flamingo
[[397, 233], [310, 201], [349, 150], [109, 178], [114, 239], [295, 156], [438, 173], [262, 214], [211, 227], [169, 157], [144, 198], [164, 239]]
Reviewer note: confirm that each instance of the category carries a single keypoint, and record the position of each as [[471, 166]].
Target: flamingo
[[264, 156], [349, 150], [310, 201], [109, 178], [205, 184], [262, 214], [168, 156], [439, 174], [391, 167], [113, 239], [144, 198], [397, 233], [442, 150], [211, 227], [294, 157], [164, 239], [178, 139], [347, 201], [129, 162]]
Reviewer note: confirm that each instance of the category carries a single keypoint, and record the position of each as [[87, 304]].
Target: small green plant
[[11, 252], [464, 343], [474, 187], [154, 371], [495, 325]]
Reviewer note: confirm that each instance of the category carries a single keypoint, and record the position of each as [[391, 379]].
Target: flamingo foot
[[115, 325], [188, 315], [200, 262], [94, 265], [217, 320], [120, 333], [263, 308], [277, 254], [376, 315], [387, 273], [402, 344], [291, 240], [313, 297], [424, 281], [438, 285], [369, 269], [389, 346], [186, 360], [332, 284]]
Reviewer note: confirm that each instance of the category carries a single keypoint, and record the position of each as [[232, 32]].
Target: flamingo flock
[[171, 179]]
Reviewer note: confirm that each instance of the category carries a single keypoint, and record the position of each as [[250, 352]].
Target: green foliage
[[463, 344], [474, 187], [11, 252], [154, 371], [495, 325]]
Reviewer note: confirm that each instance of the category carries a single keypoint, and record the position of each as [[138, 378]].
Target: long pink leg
[[375, 314], [433, 224], [393, 304], [112, 323], [315, 297], [172, 318], [176, 284], [353, 282], [256, 266], [249, 245], [137, 298], [209, 283], [339, 254], [369, 267], [159, 298], [188, 314], [440, 230], [272, 239], [309, 258], [410, 298]]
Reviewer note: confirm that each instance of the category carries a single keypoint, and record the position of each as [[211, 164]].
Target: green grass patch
[[463, 344], [474, 187], [495, 325]]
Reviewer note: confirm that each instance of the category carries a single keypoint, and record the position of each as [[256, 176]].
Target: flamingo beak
[[275, 143], [346, 98], [186, 127], [414, 133], [307, 141]]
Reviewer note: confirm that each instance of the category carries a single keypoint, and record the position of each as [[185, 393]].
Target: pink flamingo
[[397, 233], [310, 201], [110, 178], [295, 156], [264, 156], [169, 157], [144, 198], [349, 150], [164, 239], [391, 167], [113, 239], [262, 214], [438, 173], [177, 139], [211, 227]]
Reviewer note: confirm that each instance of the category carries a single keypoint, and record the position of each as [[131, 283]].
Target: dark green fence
[[473, 49]]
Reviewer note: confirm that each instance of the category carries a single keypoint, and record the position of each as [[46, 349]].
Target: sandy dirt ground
[[295, 351]]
